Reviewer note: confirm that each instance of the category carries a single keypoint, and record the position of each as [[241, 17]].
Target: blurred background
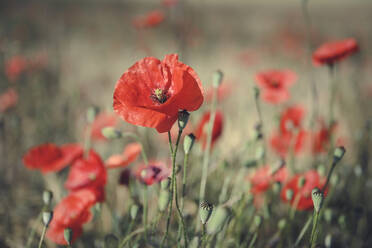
[[57, 58]]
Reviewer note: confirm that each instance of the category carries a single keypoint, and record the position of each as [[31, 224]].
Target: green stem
[[87, 141], [314, 232], [259, 112], [185, 161], [251, 244], [332, 85], [329, 176], [33, 231], [134, 233], [42, 236], [180, 215], [303, 231], [172, 185]]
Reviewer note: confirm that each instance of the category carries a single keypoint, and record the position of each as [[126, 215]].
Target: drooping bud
[[47, 217], [338, 154], [317, 197], [205, 212], [92, 113], [188, 143], [217, 78], [67, 234], [111, 133], [165, 183], [111, 241], [218, 220], [47, 197], [183, 118], [134, 211], [164, 199]]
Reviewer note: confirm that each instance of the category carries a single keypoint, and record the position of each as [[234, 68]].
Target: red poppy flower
[[151, 92], [8, 99], [332, 52], [129, 155], [282, 142], [274, 84], [154, 172], [321, 138], [263, 177], [301, 192], [150, 20], [50, 158], [223, 91], [291, 118], [14, 67], [87, 172], [201, 131], [72, 212], [101, 121]]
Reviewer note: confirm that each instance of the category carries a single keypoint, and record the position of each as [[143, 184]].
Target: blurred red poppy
[[291, 118], [264, 176], [300, 187], [129, 155], [320, 138], [8, 99], [151, 92], [72, 212], [334, 51], [87, 172], [169, 3], [14, 67], [223, 91], [201, 131], [51, 158], [150, 20], [101, 121], [152, 173], [274, 84], [283, 142]]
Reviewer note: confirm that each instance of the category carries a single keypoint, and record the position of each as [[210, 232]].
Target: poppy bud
[[111, 241], [47, 217], [183, 118], [282, 223], [301, 182], [338, 154], [134, 211], [289, 194], [205, 212], [91, 113], [217, 78], [218, 220], [164, 199], [317, 197], [321, 170], [47, 197], [188, 143], [67, 234], [276, 187], [111, 133], [165, 183]]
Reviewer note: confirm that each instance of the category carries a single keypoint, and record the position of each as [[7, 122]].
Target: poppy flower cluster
[[274, 84], [151, 92], [201, 130], [297, 191]]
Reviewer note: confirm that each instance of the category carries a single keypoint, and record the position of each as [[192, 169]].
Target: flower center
[[274, 84], [159, 96]]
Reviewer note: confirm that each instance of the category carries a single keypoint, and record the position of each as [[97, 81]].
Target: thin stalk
[[303, 231], [132, 234], [207, 151], [185, 161], [314, 231], [33, 231], [329, 176], [251, 244], [87, 140], [180, 215], [42, 236], [260, 118], [173, 179]]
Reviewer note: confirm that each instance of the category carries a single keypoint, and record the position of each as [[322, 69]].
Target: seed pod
[[134, 211], [183, 118], [47, 217], [188, 143], [205, 212], [111, 133], [218, 220], [338, 154], [164, 199], [67, 234], [111, 241], [317, 197], [165, 183], [47, 197]]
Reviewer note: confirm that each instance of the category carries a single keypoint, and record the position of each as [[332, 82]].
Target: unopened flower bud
[[92, 113], [289, 194], [217, 78], [134, 211], [111, 133], [165, 183], [218, 220], [183, 118], [317, 197], [47, 217], [301, 182], [338, 153], [188, 143], [47, 197], [111, 241], [67, 234], [206, 210], [321, 170], [164, 199], [282, 223]]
